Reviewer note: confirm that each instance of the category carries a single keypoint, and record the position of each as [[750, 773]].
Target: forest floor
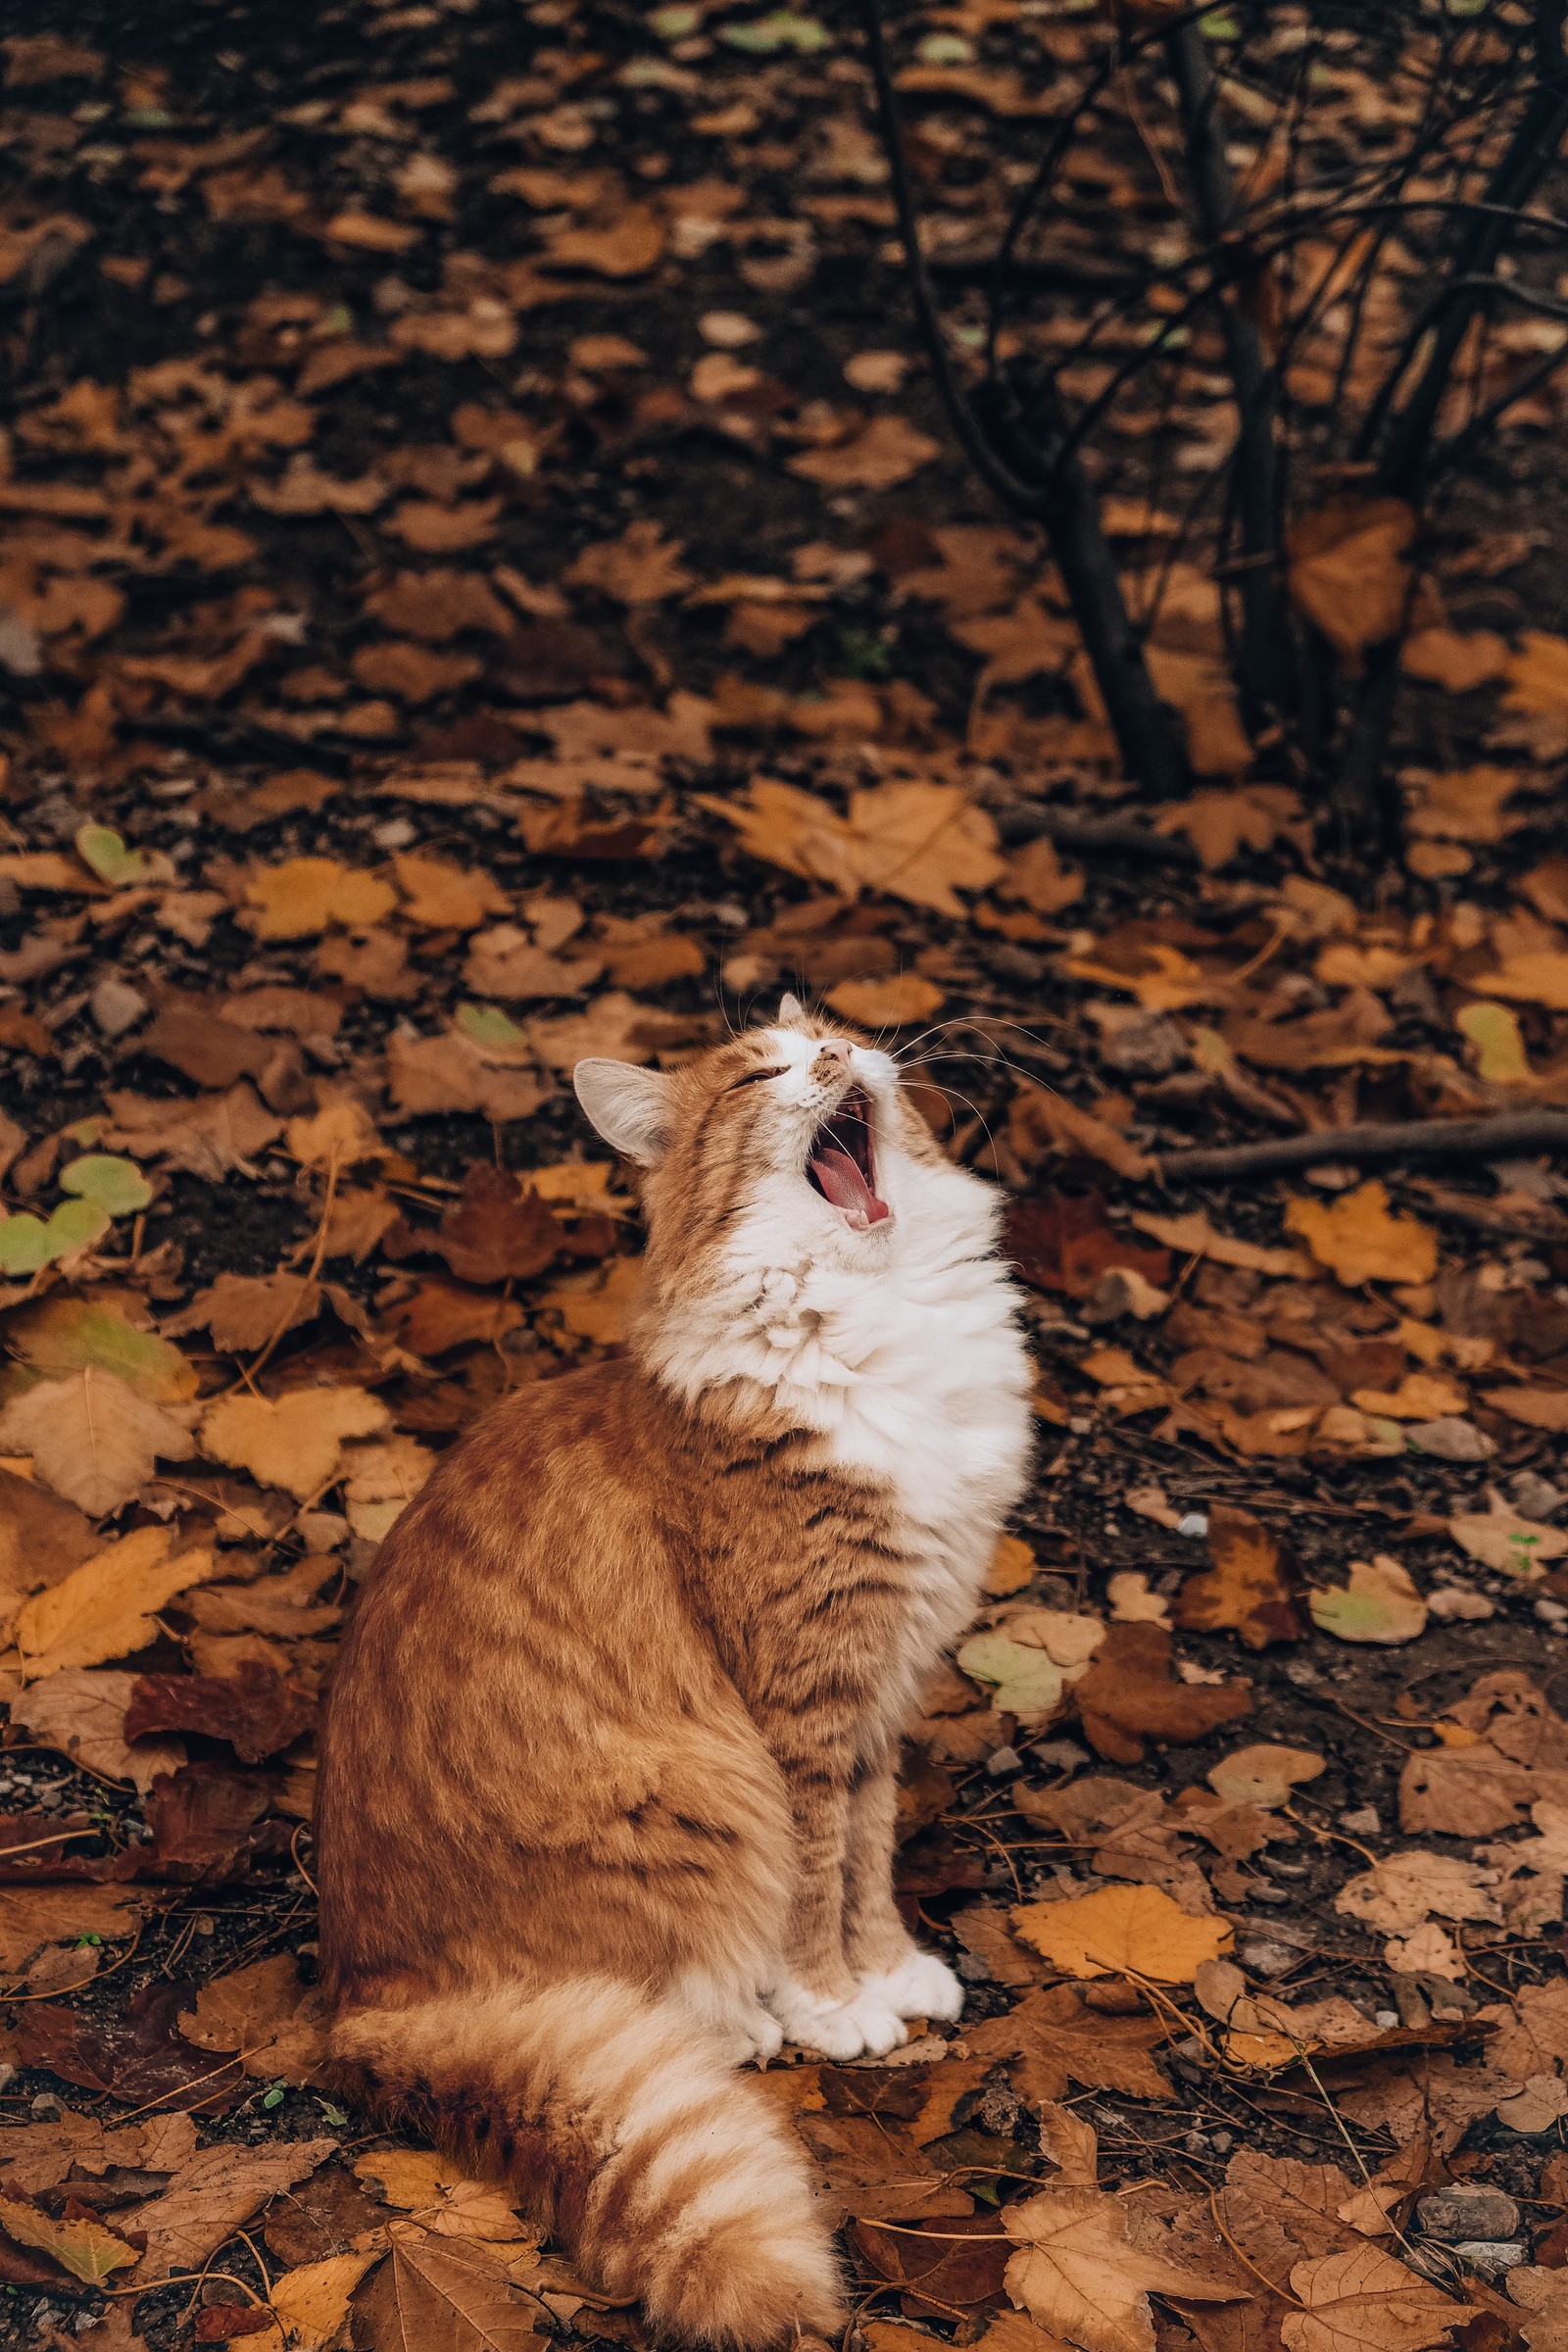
[[483, 580]]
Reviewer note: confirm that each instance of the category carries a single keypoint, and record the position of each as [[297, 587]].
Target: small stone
[[1005, 1762], [1552, 1613], [46, 2107], [1362, 1821], [1263, 1957], [324, 1531], [1303, 1675], [1462, 2214], [727, 330], [116, 1006], [1142, 1045], [395, 834], [1059, 1755], [999, 2110], [1450, 1440], [1450, 1601], [1193, 1523], [1385, 2019], [1490, 2256], [1122, 1291], [1534, 1495]]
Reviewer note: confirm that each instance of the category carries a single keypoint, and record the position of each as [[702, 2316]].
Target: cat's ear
[[631, 1107], [791, 1011]]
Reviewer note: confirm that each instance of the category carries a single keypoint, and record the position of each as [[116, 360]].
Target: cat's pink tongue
[[847, 1188]]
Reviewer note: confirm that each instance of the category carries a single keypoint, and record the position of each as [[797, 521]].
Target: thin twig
[[1377, 1146]]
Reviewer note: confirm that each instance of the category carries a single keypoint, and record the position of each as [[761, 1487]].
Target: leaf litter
[[1243, 1810]]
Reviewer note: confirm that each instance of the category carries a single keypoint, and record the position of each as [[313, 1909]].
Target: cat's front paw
[[866, 2024], [921, 1986]]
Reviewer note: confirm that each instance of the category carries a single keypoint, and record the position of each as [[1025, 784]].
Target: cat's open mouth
[[841, 1166]]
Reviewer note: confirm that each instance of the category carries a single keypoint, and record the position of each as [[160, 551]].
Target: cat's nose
[[839, 1046]]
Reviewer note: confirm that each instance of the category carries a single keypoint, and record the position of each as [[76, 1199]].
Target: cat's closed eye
[[753, 1077]]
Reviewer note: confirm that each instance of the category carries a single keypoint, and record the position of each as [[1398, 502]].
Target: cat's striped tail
[[616, 2121]]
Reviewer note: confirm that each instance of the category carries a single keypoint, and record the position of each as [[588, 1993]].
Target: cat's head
[[798, 1130]]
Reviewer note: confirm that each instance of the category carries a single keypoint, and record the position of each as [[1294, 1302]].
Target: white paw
[[758, 2037], [923, 1985], [853, 2028]]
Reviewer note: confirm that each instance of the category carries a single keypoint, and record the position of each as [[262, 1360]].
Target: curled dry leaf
[[217, 2193], [83, 1713], [1398, 1893], [920, 841], [1265, 1775], [1359, 2299]]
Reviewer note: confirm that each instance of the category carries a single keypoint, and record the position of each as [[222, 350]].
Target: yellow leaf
[[1538, 674], [1117, 1929], [1174, 983], [896, 1002], [106, 1607], [83, 2247], [1359, 1241], [312, 2302], [1193, 1234], [93, 1439], [294, 1442], [1013, 1567], [305, 895], [1419, 1397], [1263, 1775], [439, 895], [409, 2178], [1493, 1031]]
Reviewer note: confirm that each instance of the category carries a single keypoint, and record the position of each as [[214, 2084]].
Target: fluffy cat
[[608, 1778]]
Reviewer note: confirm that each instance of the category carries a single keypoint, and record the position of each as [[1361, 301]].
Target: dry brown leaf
[[244, 1312], [1040, 1118], [33, 1916], [1247, 1591], [1219, 824], [1263, 1775], [217, 2193], [1054, 2041], [277, 2024], [629, 247], [1349, 570], [639, 568], [82, 1714], [439, 895], [1080, 2273], [93, 1440], [1361, 2300], [435, 2290], [1536, 1408], [1377, 1603], [897, 1002], [1194, 1235], [888, 450], [294, 1442]]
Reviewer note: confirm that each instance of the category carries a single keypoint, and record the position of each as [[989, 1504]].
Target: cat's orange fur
[[609, 1752]]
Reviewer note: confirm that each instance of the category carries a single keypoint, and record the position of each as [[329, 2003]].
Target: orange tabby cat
[[608, 1777]]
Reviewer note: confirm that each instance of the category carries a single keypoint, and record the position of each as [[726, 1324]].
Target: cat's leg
[[890, 1966], [732, 2012], [814, 1995]]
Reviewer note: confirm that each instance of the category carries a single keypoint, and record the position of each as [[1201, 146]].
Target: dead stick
[[1376, 1146], [1021, 824]]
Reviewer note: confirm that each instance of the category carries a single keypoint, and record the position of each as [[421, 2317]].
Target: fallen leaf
[[312, 2302], [1539, 978], [1360, 2300], [1247, 1591], [1263, 1775], [217, 2193], [1359, 1241], [307, 894], [1080, 2273], [254, 1710], [82, 1713], [1349, 571], [914, 841], [277, 2025], [1536, 1408], [107, 1608], [1129, 1696], [639, 568], [897, 1002], [84, 2246], [1192, 1235], [888, 450], [1054, 2041], [93, 1439], [1504, 1540], [1398, 1893], [245, 1312], [1377, 1603], [1117, 1929], [33, 1916], [435, 2290], [1040, 1118], [294, 1442]]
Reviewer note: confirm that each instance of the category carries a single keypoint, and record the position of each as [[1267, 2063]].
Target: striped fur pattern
[[608, 1778]]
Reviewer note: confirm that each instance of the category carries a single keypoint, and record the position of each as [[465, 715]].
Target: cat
[[607, 1772]]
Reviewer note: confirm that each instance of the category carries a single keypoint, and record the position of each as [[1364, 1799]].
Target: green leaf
[[333, 2115], [23, 1244], [76, 1225], [781, 30], [675, 24], [944, 49], [59, 1336], [117, 1185], [1024, 1680], [104, 849], [272, 2095], [488, 1025]]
